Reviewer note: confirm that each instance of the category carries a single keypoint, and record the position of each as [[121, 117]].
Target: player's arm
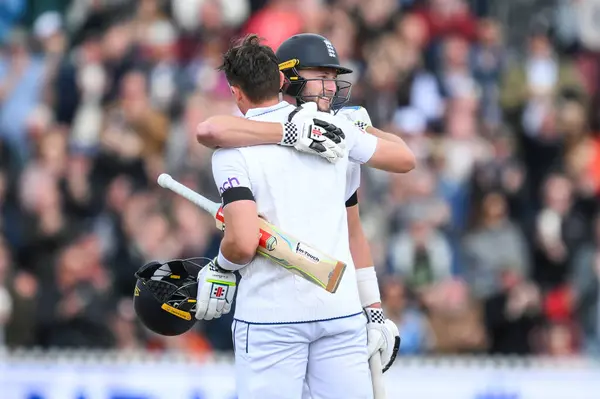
[[301, 132], [240, 240], [216, 281], [368, 287], [378, 153], [382, 335], [391, 152], [228, 131], [362, 258]]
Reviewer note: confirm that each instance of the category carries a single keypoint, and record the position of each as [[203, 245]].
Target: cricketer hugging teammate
[[308, 319]]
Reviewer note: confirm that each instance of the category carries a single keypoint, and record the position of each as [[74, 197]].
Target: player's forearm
[[359, 245], [228, 131], [384, 135], [392, 154], [240, 241], [363, 260], [234, 253]]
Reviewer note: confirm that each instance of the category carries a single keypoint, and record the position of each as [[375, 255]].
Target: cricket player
[[287, 330], [310, 67]]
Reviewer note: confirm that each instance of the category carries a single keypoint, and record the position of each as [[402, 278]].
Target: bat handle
[[377, 377]]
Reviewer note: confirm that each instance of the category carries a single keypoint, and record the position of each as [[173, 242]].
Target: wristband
[[368, 288], [227, 264], [375, 315], [290, 134]]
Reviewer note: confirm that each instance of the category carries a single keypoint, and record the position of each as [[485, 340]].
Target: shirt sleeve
[[361, 145], [352, 179], [230, 170]]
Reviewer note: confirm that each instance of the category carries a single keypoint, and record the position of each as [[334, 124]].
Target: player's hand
[[216, 290], [382, 336], [357, 115], [306, 133]]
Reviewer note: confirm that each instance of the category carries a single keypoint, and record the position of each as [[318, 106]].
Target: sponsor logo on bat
[[267, 240], [304, 251], [271, 243]]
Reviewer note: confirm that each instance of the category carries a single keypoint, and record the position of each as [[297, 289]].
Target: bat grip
[[166, 181], [377, 377]]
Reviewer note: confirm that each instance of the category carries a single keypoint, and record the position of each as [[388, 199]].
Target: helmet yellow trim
[[289, 64]]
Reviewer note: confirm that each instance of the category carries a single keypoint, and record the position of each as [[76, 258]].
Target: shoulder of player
[[225, 155], [347, 127]]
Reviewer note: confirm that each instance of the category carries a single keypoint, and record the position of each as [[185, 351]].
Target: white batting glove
[[308, 134], [357, 115], [216, 290], [383, 337], [382, 334]]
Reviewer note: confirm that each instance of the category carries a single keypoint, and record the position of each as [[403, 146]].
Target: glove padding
[[216, 290], [307, 133], [382, 336], [357, 115]]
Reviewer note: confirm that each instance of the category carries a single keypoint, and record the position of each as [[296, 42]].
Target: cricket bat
[[274, 244], [377, 377]]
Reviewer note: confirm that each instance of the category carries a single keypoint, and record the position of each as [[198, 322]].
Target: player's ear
[[281, 80], [237, 94]]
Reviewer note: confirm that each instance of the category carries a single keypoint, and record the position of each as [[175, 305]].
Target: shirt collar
[[265, 110]]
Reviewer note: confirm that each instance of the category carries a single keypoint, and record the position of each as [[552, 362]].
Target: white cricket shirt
[[304, 195]]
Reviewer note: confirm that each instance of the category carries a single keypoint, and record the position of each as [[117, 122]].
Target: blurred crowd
[[491, 246]]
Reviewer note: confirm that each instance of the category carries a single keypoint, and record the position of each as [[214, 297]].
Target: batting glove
[[216, 290], [357, 115], [382, 337], [306, 133]]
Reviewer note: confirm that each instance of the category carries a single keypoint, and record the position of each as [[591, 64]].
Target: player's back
[[304, 196]]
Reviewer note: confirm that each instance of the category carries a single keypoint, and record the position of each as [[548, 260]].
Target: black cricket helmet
[[306, 51], [164, 298]]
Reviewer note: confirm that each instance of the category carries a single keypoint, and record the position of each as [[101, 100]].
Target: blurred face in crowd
[[489, 32], [53, 151], [494, 207], [539, 46], [341, 33], [558, 194], [393, 294], [134, 86], [413, 30], [322, 88], [116, 42], [70, 267], [456, 52]]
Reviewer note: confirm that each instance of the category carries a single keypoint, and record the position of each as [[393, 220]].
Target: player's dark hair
[[252, 67]]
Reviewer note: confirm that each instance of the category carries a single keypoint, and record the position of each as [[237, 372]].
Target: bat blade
[[274, 244], [300, 258]]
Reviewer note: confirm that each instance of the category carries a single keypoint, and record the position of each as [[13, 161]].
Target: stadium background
[[489, 250]]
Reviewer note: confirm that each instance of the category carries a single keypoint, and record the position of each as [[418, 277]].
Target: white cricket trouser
[[273, 361]]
